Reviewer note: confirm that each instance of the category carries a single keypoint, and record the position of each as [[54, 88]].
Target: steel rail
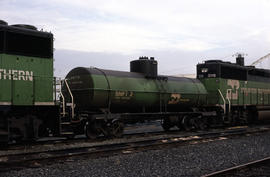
[[21, 159], [232, 170]]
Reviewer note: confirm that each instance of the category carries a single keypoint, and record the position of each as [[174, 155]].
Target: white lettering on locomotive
[[13, 74]]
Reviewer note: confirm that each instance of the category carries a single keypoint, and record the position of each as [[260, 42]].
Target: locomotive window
[[259, 75], [211, 70], [1, 41], [28, 45], [233, 73]]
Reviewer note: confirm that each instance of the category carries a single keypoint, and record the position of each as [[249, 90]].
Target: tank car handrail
[[72, 99], [224, 105]]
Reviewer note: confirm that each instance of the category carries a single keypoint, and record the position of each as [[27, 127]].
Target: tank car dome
[[31, 27], [2, 22]]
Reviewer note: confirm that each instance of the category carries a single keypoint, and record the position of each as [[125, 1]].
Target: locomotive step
[[67, 133], [3, 132], [65, 123], [4, 136]]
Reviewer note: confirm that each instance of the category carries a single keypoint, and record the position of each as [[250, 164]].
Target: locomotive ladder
[[224, 101], [63, 102], [226, 107], [72, 100], [65, 120]]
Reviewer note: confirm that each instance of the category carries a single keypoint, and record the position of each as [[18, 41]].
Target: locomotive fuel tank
[[96, 89]]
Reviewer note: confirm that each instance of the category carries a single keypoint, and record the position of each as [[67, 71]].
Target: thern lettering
[[13, 74]]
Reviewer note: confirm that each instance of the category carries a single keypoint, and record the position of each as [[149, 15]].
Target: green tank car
[[136, 95], [97, 89]]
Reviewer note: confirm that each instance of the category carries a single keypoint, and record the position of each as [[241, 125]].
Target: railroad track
[[255, 168], [130, 132], [82, 139], [36, 157]]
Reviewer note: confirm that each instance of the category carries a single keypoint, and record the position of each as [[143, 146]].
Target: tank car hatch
[[146, 66]]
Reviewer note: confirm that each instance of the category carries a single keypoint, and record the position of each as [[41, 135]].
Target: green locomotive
[[243, 92], [27, 100]]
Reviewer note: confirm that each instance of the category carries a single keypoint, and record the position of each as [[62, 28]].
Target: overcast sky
[[178, 33]]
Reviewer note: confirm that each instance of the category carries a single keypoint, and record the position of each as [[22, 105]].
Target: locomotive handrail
[[229, 101], [224, 105], [72, 99], [63, 99]]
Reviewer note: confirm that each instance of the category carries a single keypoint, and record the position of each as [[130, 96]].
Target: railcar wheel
[[186, 123], [16, 135], [166, 124], [91, 131], [201, 124], [179, 123], [117, 129]]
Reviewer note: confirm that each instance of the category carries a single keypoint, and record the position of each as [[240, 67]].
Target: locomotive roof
[[25, 40], [26, 31], [235, 65], [251, 70]]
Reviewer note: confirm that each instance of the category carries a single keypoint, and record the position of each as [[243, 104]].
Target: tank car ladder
[[65, 121]]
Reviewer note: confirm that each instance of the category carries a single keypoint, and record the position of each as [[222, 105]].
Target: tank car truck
[[27, 104]]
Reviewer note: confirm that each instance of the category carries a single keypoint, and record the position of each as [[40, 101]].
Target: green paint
[[26, 80], [242, 92], [94, 91]]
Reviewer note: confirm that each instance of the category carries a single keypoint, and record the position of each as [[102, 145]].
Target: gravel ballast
[[188, 160]]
